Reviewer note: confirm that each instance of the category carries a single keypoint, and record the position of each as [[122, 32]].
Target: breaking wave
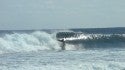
[[35, 41], [93, 40], [41, 40]]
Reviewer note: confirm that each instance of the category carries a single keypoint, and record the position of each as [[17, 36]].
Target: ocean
[[85, 49]]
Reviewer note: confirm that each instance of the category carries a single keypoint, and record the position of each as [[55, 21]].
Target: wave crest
[[72, 36], [93, 40], [35, 41]]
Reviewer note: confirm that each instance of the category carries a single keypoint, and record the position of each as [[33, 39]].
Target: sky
[[61, 14]]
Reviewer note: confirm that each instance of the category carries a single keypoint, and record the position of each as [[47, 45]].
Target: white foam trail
[[81, 36], [28, 42], [91, 36], [74, 47]]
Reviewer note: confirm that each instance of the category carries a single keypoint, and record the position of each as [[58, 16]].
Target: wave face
[[93, 40], [23, 42]]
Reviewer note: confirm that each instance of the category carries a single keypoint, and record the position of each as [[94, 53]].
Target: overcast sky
[[46, 14]]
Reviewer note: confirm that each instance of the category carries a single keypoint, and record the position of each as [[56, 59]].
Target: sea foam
[[35, 41]]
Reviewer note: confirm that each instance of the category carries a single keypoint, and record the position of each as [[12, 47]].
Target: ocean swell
[[93, 40], [41, 40]]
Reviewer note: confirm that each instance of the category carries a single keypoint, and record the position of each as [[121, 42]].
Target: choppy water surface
[[111, 59]]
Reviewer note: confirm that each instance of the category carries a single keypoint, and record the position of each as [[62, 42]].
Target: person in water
[[63, 44]]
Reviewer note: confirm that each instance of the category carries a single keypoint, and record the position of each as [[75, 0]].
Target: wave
[[72, 36], [41, 40], [24, 42], [93, 40]]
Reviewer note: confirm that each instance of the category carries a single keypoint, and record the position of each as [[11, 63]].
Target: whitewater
[[23, 42], [86, 49]]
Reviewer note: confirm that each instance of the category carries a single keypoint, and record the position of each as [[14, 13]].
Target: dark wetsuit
[[63, 44]]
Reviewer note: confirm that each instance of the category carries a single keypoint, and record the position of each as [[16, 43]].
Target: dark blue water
[[95, 37]]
